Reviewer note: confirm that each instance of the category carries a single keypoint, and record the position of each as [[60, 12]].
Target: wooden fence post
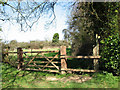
[[96, 53], [63, 60], [7, 55], [20, 57]]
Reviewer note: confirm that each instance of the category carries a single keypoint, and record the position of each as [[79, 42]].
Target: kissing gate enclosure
[[40, 61]]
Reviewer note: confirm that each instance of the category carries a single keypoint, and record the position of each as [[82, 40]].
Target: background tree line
[[33, 44]]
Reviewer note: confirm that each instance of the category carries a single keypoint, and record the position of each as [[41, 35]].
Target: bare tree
[[26, 13]]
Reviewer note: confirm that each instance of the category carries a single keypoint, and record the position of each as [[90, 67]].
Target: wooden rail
[[81, 70], [45, 61], [56, 71], [86, 57], [55, 51], [47, 57], [41, 62], [40, 66]]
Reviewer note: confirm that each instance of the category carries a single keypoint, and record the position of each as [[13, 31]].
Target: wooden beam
[[41, 62], [26, 55], [81, 70], [42, 57], [56, 71], [37, 51], [82, 57], [40, 66], [20, 57], [48, 57], [63, 60], [45, 61], [42, 51], [96, 53]]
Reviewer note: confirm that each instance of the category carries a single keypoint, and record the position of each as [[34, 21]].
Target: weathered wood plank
[[42, 57], [42, 51], [81, 70], [40, 66], [92, 57], [35, 51], [96, 53], [48, 57], [42, 70], [63, 60], [41, 61], [20, 57]]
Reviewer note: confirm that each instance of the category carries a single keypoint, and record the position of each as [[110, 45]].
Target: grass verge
[[13, 78]]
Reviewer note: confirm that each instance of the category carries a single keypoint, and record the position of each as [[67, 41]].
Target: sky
[[38, 32]]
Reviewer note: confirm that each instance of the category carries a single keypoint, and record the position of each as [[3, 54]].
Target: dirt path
[[75, 78]]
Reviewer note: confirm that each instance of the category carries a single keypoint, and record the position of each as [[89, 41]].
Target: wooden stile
[[63, 60]]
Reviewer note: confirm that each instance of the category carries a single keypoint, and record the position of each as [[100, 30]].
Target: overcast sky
[[12, 32]]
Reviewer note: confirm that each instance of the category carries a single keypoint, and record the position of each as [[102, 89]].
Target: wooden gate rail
[[36, 52], [56, 71], [42, 57], [41, 61], [83, 57], [80, 70], [41, 66]]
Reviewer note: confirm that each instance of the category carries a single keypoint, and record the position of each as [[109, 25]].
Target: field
[[13, 78]]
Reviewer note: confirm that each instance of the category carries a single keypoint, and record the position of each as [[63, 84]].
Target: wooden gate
[[55, 63], [38, 65]]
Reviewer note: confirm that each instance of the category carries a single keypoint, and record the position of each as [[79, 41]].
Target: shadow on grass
[[10, 76], [13, 78]]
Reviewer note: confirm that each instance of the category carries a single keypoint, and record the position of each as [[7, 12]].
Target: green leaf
[[102, 41], [116, 11]]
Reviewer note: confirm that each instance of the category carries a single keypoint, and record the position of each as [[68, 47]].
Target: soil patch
[[75, 78]]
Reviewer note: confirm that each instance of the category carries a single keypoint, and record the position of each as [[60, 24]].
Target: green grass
[[13, 78]]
